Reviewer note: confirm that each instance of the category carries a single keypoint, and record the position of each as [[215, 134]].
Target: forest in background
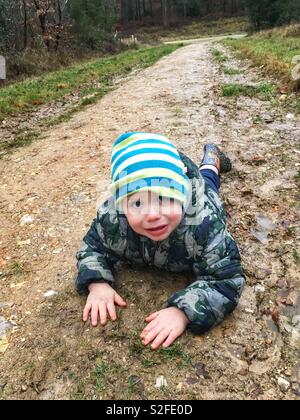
[[55, 24], [46, 34]]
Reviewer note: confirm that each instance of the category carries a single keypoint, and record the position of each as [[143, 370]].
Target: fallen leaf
[[275, 315]]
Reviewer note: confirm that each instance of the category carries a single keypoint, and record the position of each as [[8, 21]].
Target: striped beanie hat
[[147, 162]]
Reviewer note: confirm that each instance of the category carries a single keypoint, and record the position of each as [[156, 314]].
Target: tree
[[268, 13], [164, 7]]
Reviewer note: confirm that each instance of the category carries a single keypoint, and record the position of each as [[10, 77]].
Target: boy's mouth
[[157, 230]]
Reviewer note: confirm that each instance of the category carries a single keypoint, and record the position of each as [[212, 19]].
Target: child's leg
[[214, 163], [211, 178]]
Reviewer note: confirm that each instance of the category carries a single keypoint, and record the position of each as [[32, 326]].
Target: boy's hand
[[101, 300], [164, 327]]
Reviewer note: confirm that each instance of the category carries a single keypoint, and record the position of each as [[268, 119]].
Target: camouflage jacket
[[201, 244]]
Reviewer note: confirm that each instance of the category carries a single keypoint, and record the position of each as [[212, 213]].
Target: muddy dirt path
[[49, 192]]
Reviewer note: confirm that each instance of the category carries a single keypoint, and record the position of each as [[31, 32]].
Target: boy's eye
[[136, 204]]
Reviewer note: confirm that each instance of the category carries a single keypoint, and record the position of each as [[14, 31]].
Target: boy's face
[[151, 215]]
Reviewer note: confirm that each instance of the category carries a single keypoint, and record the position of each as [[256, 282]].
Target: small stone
[[22, 243], [259, 289], [268, 118], [283, 384], [4, 326], [290, 116], [57, 251], [23, 388], [248, 311], [26, 219], [191, 381], [200, 371], [179, 387], [133, 379], [161, 382], [6, 305], [50, 293]]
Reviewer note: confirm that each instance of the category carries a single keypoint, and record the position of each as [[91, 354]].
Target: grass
[[102, 372], [194, 29], [92, 79], [273, 51], [218, 56], [264, 90], [296, 257], [175, 352], [231, 71], [20, 140], [150, 359], [14, 269], [31, 94]]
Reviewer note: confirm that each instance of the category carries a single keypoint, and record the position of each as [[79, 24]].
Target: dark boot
[[214, 156]]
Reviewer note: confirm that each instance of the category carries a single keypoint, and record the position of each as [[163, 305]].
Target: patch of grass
[[194, 29], [89, 101], [218, 56], [296, 257], [132, 387], [175, 352], [264, 90], [177, 112], [257, 119], [147, 363], [14, 269], [101, 374], [234, 173], [30, 94], [80, 391], [136, 348], [20, 140], [272, 52], [234, 89], [231, 71]]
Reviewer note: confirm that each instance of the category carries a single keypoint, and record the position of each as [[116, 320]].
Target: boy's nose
[[153, 214]]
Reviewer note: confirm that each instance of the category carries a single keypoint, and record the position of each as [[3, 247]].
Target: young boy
[[166, 213]]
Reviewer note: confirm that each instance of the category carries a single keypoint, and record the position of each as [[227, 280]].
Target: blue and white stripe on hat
[[147, 162]]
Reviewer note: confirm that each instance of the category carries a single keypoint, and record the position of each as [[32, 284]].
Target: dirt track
[[59, 179]]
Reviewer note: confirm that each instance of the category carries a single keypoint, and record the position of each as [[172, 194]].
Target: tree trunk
[[184, 10], [42, 16], [138, 9], [151, 8], [25, 32], [164, 5], [233, 8], [59, 25], [124, 11]]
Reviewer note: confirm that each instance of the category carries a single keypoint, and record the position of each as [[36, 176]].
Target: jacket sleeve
[[220, 279], [96, 258]]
